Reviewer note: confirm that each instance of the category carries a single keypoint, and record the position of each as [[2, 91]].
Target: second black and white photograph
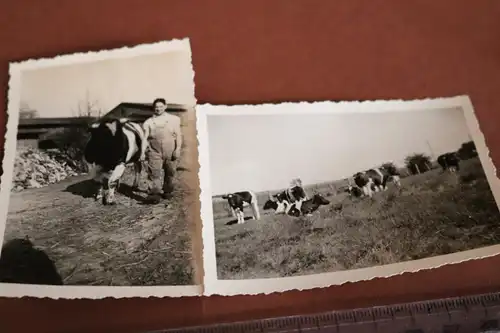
[[303, 189]]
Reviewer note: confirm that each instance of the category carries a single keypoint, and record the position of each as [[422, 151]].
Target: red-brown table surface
[[270, 51]]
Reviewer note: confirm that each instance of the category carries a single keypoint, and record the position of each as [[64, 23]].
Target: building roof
[[139, 111], [134, 111]]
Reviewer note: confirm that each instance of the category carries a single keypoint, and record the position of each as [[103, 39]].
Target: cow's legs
[[99, 179], [396, 180], [367, 189], [384, 184], [137, 175], [240, 216], [233, 213], [255, 207], [113, 181]]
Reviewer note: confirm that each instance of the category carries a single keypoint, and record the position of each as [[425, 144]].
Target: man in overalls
[[163, 143]]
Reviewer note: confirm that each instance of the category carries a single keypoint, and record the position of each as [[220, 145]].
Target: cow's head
[[361, 179], [298, 192], [358, 175], [391, 170], [318, 199], [280, 196], [231, 199], [270, 204], [352, 190]]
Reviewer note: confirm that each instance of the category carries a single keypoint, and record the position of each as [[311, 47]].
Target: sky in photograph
[[57, 91], [265, 152]]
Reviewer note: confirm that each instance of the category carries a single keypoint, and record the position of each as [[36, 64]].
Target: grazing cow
[[113, 145], [449, 161], [377, 177], [280, 207], [307, 207], [238, 200], [21, 262]]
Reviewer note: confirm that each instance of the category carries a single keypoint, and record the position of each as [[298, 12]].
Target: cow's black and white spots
[[291, 195], [238, 200], [282, 202], [377, 178], [112, 146], [279, 207], [307, 207], [449, 161], [355, 191]]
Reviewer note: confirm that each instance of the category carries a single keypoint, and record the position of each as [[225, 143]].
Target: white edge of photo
[[13, 104], [215, 286]]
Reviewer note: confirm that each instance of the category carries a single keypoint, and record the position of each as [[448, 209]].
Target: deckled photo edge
[[10, 145], [105, 54], [207, 229], [323, 280], [317, 107], [215, 286]]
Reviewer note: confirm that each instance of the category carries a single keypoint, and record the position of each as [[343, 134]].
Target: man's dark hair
[[161, 100]]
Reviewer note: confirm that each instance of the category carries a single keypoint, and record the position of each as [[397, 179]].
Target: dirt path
[[126, 244]]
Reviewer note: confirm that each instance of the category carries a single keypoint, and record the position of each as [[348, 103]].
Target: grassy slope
[[434, 214]]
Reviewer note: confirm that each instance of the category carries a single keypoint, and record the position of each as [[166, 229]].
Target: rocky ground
[[35, 168]]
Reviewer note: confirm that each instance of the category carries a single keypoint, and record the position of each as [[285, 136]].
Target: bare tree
[[418, 163], [88, 107], [26, 112], [72, 141]]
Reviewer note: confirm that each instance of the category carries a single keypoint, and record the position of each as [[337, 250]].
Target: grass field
[[434, 213]]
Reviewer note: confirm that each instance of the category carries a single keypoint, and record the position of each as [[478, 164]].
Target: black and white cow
[[238, 200], [279, 207], [282, 201], [449, 161], [113, 145], [307, 207], [377, 177], [291, 195]]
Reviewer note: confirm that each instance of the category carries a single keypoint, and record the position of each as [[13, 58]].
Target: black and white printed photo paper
[[308, 195], [85, 208]]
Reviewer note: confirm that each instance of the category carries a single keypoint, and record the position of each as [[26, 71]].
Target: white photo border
[[13, 103], [214, 286]]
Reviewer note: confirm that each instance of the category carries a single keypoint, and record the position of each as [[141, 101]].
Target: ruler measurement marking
[[479, 313]]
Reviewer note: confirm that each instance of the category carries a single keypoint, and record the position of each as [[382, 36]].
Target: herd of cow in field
[[294, 201]]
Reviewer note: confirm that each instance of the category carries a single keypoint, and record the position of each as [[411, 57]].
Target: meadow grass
[[434, 213]]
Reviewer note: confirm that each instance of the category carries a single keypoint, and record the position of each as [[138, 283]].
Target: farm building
[[41, 132]]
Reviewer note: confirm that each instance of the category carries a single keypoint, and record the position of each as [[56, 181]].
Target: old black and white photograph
[[100, 184], [295, 190]]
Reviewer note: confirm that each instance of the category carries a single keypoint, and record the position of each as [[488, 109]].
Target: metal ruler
[[470, 314]]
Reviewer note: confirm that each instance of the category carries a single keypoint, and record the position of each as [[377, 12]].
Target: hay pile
[[34, 168]]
